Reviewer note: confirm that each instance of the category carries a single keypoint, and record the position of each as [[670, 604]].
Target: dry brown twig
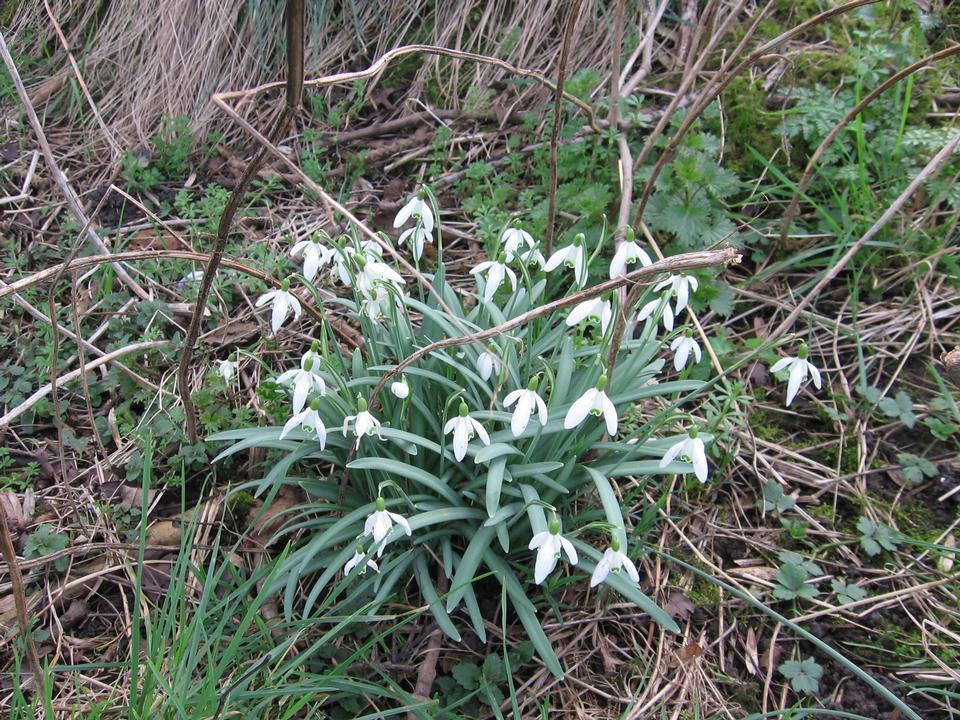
[[573, 13]]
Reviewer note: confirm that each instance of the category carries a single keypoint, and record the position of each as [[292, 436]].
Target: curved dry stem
[[384, 60], [847, 119], [223, 233]]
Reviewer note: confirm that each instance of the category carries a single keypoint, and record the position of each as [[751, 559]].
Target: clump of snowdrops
[[498, 457]]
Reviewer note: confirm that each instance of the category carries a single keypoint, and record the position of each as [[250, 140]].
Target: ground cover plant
[[589, 359]]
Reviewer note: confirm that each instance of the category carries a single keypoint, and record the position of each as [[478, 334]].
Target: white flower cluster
[[378, 288]]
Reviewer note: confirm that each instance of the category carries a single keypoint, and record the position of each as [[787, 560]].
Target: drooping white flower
[[593, 402], [651, 307], [345, 258], [496, 270], [315, 255], [416, 207], [364, 423], [283, 302], [376, 305], [463, 428], [226, 369], [682, 347], [572, 256], [680, 286], [612, 561], [595, 309], [626, 257], [305, 379], [690, 449], [527, 401], [358, 555], [372, 273], [800, 367], [309, 421], [548, 545], [380, 522], [400, 388], [488, 364], [416, 237]]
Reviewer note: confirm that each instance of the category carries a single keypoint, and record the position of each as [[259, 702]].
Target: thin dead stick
[[847, 119], [27, 180], [614, 115], [74, 374], [929, 170], [59, 178], [19, 597], [384, 60], [723, 78], [555, 130], [643, 48], [685, 261]]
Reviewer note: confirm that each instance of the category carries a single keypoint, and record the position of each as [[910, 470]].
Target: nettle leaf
[[467, 675], [804, 675], [877, 537], [667, 212]]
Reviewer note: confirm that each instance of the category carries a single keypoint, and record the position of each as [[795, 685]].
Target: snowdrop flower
[[309, 421], [682, 346], [527, 401], [226, 369], [651, 307], [496, 270], [358, 556], [417, 208], [593, 402], [488, 363], [514, 238], [343, 259], [363, 422], [612, 561], [572, 256], [596, 309], [800, 367], [304, 379], [691, 450], [627, 255], [400, 388], [377, 304], [314, 254], [548, 545], [681, 286], [416, 237], [374, 271], [380, 522], [283, 301], [463, 427]]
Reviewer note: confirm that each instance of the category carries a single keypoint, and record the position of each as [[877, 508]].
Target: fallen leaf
[[678, 606]]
